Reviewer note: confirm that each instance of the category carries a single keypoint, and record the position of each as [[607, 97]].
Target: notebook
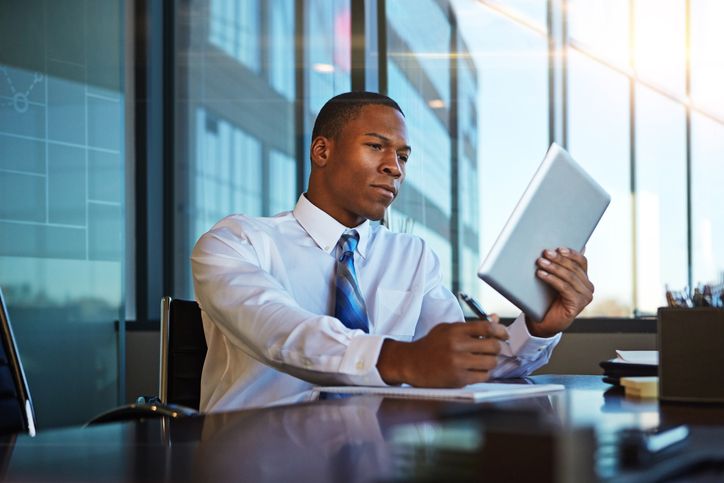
[[485, 391]]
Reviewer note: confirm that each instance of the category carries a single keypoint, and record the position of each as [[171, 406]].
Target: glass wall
[[629, 116], [511, 62], [419, 39], [238, 96], [486, 86], [62, 201], [598, 100]]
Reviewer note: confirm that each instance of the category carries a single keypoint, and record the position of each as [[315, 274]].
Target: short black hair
[[342, 108]]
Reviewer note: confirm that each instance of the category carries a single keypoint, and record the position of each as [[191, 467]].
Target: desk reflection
[[338, 440]]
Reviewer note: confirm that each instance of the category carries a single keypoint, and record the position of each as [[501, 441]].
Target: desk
[[366, 438]]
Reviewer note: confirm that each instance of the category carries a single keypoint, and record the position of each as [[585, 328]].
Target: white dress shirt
[[266, 291]]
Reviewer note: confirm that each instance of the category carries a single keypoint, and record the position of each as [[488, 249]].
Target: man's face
[[365, 165]]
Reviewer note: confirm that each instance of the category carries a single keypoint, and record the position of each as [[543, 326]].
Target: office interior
[[129, 127]]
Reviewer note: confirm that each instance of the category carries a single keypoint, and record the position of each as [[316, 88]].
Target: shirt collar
[[325, 230]]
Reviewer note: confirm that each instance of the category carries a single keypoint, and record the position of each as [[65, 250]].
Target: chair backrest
[[183, 351], [16, 407]]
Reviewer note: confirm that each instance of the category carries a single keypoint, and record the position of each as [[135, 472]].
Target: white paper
[[639, 357], [475, 392]]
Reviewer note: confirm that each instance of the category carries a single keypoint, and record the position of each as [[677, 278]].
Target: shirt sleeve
[[524, 354], [258, 316]]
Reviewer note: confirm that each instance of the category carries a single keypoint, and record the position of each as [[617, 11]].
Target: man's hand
[[566, 271], [450, 355]]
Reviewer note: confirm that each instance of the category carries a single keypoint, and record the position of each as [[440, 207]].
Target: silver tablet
[[560, 208]]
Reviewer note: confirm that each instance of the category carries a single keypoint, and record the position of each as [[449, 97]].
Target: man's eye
[[375, 146], [402, 157]]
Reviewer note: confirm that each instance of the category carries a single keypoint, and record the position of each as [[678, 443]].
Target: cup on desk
[[691, 355]]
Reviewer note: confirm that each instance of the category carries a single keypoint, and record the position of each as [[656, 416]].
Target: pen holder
[[691, 354]]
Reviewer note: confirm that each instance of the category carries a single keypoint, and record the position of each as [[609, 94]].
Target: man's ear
[[320, 150]]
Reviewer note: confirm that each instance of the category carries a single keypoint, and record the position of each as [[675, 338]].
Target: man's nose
[[391, 166]]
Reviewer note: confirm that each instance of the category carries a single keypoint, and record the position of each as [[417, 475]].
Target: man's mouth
[[385, 189]]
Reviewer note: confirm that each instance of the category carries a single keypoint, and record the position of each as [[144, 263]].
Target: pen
[[476, 308]]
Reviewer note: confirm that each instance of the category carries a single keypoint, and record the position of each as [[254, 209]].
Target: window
[[512, 125], [486, 85], [236, 125], [419, 80], [62, 199], [661, 220], [624, 104], [707, 200], [598, 102]]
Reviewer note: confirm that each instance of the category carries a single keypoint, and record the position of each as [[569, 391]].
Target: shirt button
[[326, 249], [360, 365]]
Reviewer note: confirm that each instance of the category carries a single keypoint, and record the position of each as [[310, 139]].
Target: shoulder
[[240, 228]]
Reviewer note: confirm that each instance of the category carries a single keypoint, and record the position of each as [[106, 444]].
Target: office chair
[[16, 406], [183, 350]]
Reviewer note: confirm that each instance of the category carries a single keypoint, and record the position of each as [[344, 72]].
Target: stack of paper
[[475, 392], [630, 364], [639, 357]]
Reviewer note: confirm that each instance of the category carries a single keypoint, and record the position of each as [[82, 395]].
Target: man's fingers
[[577, 282], [484, 328], [575, 256], [476, 345], [566, 290], [567, 269]]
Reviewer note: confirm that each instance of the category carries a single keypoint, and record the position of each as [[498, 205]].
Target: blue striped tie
[[349, 305]]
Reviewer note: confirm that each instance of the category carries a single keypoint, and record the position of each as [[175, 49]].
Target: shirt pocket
[[395, 314]]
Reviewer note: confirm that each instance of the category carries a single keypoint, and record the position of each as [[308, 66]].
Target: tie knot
[[349, 241]]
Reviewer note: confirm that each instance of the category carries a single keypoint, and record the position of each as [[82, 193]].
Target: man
[[319, 295]]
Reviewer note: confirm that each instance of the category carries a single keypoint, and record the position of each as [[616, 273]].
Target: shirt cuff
[[525, 346], [359, 362]]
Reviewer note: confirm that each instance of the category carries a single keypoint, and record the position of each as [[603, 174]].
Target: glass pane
[[234, 28], [329, 34], [62, 199], [467, 176], [601, 26], [533, 11], [598, 100], [661, 224], [707, 199], [418, 34], [327, 68], [512, 123], [660, 43], [235, 128], [707, 61], [281, 56]]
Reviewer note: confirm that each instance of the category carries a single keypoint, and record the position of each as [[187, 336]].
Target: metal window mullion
[[632, 155], [168, 129], [300, 104], [358, 60], [687, 84], [382, 80], [558, 42], [455, 218]]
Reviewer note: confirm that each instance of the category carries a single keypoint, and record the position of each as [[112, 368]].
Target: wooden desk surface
[[566, 436]]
